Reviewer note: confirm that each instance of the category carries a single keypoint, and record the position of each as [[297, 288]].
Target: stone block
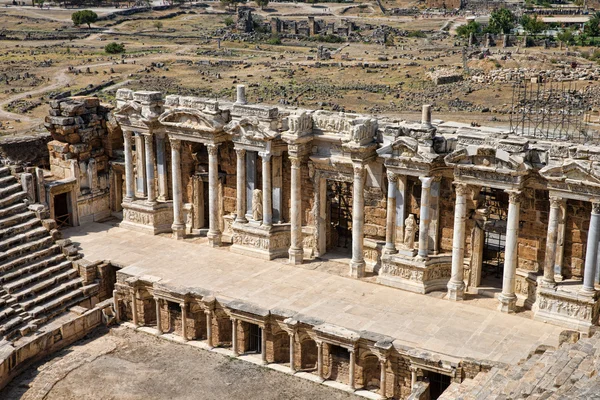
[[568, 336], [60, 120], [144, 96]]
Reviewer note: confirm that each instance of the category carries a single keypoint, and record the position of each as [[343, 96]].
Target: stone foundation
[[570, 309], [414, 274], [252, 239], [154, 219]]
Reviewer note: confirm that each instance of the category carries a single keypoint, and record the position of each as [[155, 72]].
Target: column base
[[558, 278], [357, 269], [151, 203], [456, 291], [508, 303], [296, 256], [162, 198], [214, 239], [585, 292], [241, 220], [178, 231], [390, 250], [128, 199], [548, 283]]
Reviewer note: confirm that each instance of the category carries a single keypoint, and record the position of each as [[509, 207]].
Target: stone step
[[13, 209], [22, 227], [31, 268], [7, 268], [56, 275], [39, 242], [5, 313], [10, 189], [6, 201], [47, 296], [7, 180], [4, 171], [16, 218], [8, 328], [58, 305], [6, 244]]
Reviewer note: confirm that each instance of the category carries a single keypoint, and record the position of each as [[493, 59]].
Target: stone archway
[[371, 372], [308, 354], [281, 347]]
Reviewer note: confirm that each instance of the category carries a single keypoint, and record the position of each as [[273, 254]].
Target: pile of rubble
[[556, 75]]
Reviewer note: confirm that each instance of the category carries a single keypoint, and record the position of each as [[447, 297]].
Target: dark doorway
[[495, 202], [206, 202], [62, 213], [437, 384], [339, 208], [254, 339]]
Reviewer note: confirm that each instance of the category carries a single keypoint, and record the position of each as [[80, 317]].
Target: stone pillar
[[320, 359], [507, 298], [551, 242], [134, 310], [277, 187], [150, 162], [382, 378], [351, 367], [296, 251], [178, 226], [591, 251], [456, 285], [209, 328], [424, 219], [390, 224], [413, 377], [161, 167], [241, 94], [183, 321], [214, 232], [158, 321], [400, 207], [357, 265], [28, 186], [116, 306], [263, 345], [292, 352], [250, 181], [241, 186], [140, 166], [426, 117], [41, 188], [234, 344], [267, 220], [560, 242], [129, 178], [434, 215]]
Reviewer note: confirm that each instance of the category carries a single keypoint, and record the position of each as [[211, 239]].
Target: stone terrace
[[453, 329]]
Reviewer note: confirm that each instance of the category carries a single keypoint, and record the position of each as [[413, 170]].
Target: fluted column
[[267, 190], [141, 189], [508, 298], [357, 265], [150, 162], [352, 367], [214, 232], [425, 216], [382, 378], [591, 252], [456, 285], [296, 251], [178, 226], [161, 167], [209, 328], [551, 242], [292, 352], [234, 344], [390, 225], [129, 178], [241, 186], [158, 316]]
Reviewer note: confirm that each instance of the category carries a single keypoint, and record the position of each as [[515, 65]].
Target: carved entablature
[[488, 165], [406, 156], [251, 131], [129, 116], [138, 110], [297, 126], [190, 123], [577, 179], [352, 129]]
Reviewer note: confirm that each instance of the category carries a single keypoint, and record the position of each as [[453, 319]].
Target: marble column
[[241, 186], [129, 178], [234, 342], [292, 352], [560, 242], [400, 207], [267, 220], [551, 242], [351, 367], [250, 180], [357, 265], [178, 226], [320, 359], [456, 285], [591, 252], [158, 315], [390, 224], [382, 378], [134, 310], [209, 340], [150, 162], [141, 189], [507, 298], [263, 345], [214, 231], [425, 217], [183, 321], [161, 167], [413, 377], [296, 251]]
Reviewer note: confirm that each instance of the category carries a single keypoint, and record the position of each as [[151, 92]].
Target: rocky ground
[[126, 365]]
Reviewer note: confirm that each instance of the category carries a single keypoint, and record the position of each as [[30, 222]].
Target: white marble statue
[[410, 225], [257, 207]]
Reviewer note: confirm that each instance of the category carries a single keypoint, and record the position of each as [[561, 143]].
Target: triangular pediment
[[572, 170], [486, 157], [193, 120], [250, 128]]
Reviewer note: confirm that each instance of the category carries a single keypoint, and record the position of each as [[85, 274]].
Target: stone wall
[[25, 150]]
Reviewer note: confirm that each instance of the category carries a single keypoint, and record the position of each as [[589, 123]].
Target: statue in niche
[[410, 225], [257, 205]]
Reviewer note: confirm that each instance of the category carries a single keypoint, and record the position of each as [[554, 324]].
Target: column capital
[[240, 152], [426, 181], [514, 196], [182, 305], [213, 148], [295, 160], [556, 202], [358, 168], [596, 207], [392, 177], [461, 188], [127, 134], [175, 143], [265, 155]]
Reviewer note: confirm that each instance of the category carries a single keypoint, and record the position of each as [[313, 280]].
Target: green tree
[[592, 27], [532, 25], [566, 36], [262, 3], [501, 21], [114, 48], [473, 27], [158, 25], [84, 17]]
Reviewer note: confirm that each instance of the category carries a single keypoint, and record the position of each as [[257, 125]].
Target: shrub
[[114, 48], [84, 17]]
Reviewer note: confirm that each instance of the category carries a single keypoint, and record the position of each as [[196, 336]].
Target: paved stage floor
[[457, 329]]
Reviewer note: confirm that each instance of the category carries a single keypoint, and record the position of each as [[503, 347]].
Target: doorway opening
[[254, 339], [495, 202], [62, 210], [339, 216], [437, 383]]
